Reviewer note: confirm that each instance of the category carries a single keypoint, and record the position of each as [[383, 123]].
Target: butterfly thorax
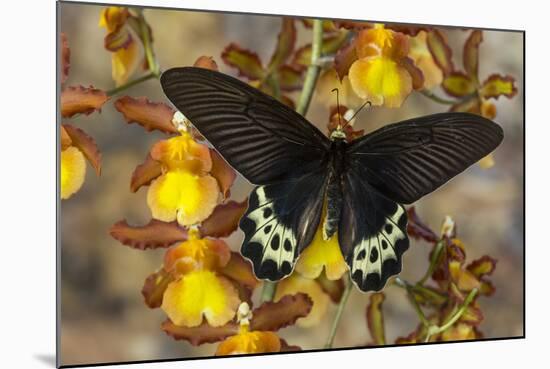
[[333, 194]]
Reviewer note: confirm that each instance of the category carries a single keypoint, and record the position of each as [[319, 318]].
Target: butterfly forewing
[[410, 159], [261, 138]]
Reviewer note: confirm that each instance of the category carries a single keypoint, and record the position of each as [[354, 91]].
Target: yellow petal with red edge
[[458, 84], [196, 254], [125, 61], [423, 59], [295, 284], [381, 80], [497, 85], [182, 196], [113, 17], [182, 152], [200, 294], [73, 171], [254, 342], [465, 280], [322, 254]]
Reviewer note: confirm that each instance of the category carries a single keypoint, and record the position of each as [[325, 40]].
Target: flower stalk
[[339, 311], [132, 83], [313, 70]]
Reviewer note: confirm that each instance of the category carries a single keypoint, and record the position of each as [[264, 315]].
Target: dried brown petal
[[248, 63], [344, 58], [81, 100], [204, 333], [416, 228], [240, 270], [155, 234], [223, 172], [154, 287], [285, 44], [375, 318], [65, 139], [290, 78], [206, 62], [353, 25], [407, 29], [272, 316], [145, 173], [415, 72], [65, 57], [149, 115], [334, 289], [331, 44], [224, 220], [86, 145], [285, 347]]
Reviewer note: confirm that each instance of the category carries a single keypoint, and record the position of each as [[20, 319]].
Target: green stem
[[438, 99], [339, 311], [313, 69], [434, 329], [146, 37], [127, 85], [268, 291], [433, 262], [409, 288]]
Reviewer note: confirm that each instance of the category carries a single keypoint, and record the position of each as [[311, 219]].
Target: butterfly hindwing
[[407, 160], [280, 222], [257, 135], [372, 233]]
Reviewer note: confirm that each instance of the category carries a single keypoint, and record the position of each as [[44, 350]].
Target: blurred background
[[103, 317]]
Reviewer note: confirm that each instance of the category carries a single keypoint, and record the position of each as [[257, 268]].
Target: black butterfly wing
[[398, 164], [269, 144], [407, 160], [372, 232], [281, 221], [257, 135]]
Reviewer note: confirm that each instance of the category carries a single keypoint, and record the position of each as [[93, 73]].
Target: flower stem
[[454, 318], [339, 311], [268, 291], [402, 283], [433, 262], [127, 85], [313, 69], [438, 99], [146, 38]]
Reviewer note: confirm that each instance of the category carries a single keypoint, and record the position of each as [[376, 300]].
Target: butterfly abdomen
[[333, 196]]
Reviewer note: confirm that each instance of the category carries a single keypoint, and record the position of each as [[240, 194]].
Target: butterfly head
[[338, 134]]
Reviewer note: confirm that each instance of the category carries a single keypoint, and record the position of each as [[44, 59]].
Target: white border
[[28, 181]]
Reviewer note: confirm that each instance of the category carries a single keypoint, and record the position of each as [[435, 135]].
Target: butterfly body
[[334, 195], [300, 174]]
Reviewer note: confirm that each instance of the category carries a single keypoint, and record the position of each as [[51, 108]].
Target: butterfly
[[301, 174]]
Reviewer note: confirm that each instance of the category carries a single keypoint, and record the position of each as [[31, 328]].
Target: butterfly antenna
[[357, 112], [338, 106]]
